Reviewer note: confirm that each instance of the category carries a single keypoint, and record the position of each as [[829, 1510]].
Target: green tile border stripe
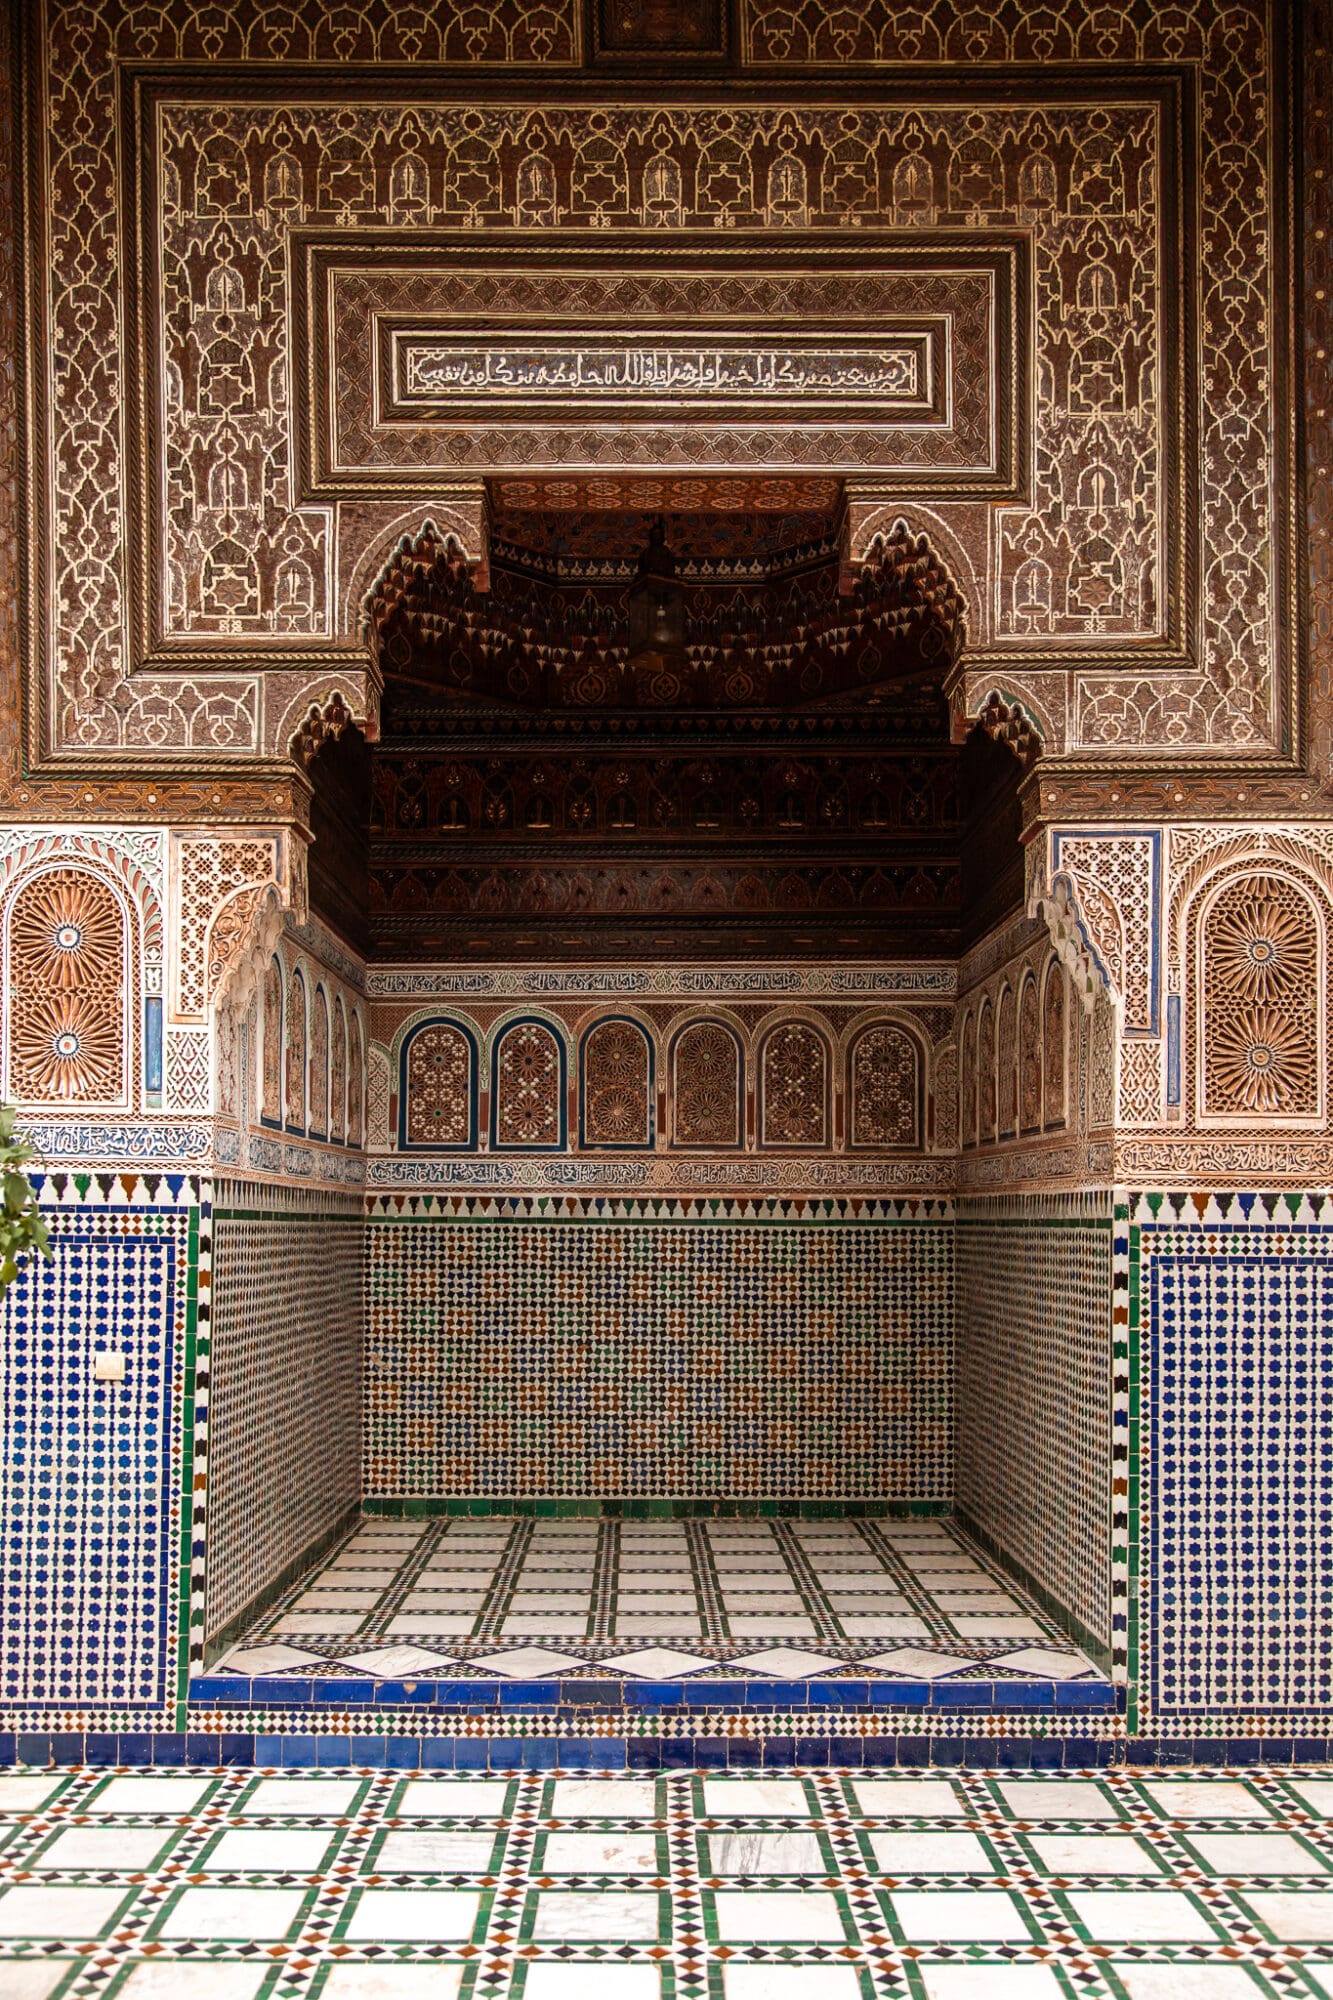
[[645, 1508]]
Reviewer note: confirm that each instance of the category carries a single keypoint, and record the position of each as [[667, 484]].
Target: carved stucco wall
[[206, 626]]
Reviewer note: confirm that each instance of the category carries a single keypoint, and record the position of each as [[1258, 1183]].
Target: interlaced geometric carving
[[986, 1092], [69, 991], [1054, 1031], [1029, 1058], [208, 871], [439, 1086], [1101, 1065], [1006, 1065], [706, 1093], [945, 1085], [338, 1072], [1140, 1082], [967, 1083], [317, 1069], [528, 1087], [794, 1087], [616, 1078], [1114, 877], [1260, 1001], [270, 1069], [884, 1083], [294, 1098], [355, 1082]]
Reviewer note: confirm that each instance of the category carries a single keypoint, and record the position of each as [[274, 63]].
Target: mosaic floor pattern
[[243, 1885], [660, 1599]]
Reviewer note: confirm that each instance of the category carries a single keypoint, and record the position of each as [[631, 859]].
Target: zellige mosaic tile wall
[[1232, 1321], [285, 1409], [598, 1347], [1034, 1392], [91, 1472]]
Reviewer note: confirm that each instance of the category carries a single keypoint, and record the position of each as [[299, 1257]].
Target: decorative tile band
[[715, 982], [752, 1209]]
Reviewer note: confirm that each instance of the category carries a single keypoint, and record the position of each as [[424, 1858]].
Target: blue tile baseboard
[[555, 1697], [281, 1749]]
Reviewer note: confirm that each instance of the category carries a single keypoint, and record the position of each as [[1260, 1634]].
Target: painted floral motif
[[68, 991]]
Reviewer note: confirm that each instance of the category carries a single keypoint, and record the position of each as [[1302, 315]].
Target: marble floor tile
[[246, 1915], [1119, 1916], [604, 1798], [958, 1916], [414, 1916], [607, 1916], [601, 1854], [768, 1916], [277, 1850], [766, 1854], [931, 1854]]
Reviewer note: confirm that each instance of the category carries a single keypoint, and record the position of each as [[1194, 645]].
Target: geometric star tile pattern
[[830, 1885], [906, 1598]]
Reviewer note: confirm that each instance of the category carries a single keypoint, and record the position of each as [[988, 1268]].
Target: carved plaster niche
[[1057, 906], [242, 977]]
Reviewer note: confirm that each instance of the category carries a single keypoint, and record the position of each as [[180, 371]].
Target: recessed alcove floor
[[519, 1598]]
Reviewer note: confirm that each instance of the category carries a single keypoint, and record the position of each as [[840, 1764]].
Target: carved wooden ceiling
[[782, 782]]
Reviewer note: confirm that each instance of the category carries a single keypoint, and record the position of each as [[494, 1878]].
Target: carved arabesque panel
[[884, 1084], [1029, 1057], [317, 1069], [706, 1077], [1055, 1045], [71, 991], [439, 1086], [355, 1081], [294, 1099], [1261, 1005], [528, 1089], [615, 1079], [270, 1067], [794, 1086]]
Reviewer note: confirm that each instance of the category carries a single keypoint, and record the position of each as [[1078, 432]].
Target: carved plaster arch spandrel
[[461, 518], [1005, 719], [1058, 907], [207, 871]]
